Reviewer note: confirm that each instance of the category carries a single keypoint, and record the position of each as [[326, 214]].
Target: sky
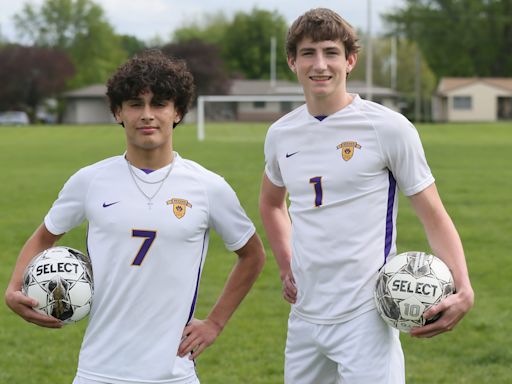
[[147, 19]]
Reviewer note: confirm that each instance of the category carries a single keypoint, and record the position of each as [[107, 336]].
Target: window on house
[[462, 102], [286, 106], [259, 104], [505, 108]]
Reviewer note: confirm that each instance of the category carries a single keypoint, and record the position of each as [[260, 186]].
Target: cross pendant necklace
[[161, 182]]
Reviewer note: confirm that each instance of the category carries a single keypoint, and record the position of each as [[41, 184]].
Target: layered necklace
[[161, 182]]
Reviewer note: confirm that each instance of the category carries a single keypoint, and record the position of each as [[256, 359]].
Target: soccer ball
[[408, 285], [60, 279]]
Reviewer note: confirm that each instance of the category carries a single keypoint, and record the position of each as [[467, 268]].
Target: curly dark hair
[[167, 78], [321, 24]]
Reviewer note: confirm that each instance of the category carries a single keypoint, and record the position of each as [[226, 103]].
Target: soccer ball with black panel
[[408, 285], [60, 279]]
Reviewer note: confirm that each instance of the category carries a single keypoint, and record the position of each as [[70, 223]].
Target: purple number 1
[[317, 183], [144, 248]]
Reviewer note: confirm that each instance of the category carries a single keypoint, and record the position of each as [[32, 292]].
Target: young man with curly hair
[[340, 160], [149, 214]]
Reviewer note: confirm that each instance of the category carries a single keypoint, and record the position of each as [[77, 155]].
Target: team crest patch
[[179, 207], [347, 149]]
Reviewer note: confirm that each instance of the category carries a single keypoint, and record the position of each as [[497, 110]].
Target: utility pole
[[273, 44], [369, 53], [393, 62], [417, 86]]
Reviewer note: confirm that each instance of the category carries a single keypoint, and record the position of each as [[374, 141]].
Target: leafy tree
[[205, 63], [381, 53], [406, 72], [247, 44], [131, 45], [211, 28], [3, 40], [30, 74], [79, 28], [244, 42], [405, 68], [459, 37]]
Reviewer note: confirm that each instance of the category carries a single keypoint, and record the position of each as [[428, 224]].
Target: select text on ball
[[56, 268], [420, 288]]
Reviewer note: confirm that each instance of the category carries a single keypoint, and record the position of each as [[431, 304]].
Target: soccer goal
[[201, 100]]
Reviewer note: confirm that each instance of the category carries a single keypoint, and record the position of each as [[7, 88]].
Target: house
[[263, 100], [248, 101], [472, 99], [382, 95], [87, 105], [251, 100]]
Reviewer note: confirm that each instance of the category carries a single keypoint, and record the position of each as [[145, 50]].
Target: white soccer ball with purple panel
[[60, 279], [408, 285]]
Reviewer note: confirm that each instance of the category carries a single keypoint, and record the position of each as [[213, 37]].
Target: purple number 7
[[144, 248], [317, 182]]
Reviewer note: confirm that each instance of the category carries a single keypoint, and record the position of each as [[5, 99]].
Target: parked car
[[14, 118]]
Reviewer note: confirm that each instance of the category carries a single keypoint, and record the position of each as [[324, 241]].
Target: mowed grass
[[471, 163]]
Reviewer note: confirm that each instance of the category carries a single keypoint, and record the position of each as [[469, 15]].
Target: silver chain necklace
[[149, 198]]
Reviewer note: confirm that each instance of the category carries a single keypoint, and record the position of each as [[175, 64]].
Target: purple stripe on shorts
[[389, 216]]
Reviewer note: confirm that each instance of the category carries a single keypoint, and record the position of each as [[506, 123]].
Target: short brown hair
[[168, 79], [320, 24]]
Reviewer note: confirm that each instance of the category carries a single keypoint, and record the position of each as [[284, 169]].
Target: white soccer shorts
[[360, 351], [81, 380]]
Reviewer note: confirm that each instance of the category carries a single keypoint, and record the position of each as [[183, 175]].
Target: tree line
[[71, 44]]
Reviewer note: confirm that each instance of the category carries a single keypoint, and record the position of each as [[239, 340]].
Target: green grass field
[[472, 165]]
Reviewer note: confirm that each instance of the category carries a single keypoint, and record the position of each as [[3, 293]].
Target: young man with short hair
[[341, 159], [149, 214]]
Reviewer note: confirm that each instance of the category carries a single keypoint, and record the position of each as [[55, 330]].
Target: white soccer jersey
[[146, 262], [342, 175]]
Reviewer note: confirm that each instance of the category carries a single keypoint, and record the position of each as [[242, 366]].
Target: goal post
[[201, 100]]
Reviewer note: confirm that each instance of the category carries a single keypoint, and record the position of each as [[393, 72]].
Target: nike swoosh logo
[[105, 205], [291, 154]]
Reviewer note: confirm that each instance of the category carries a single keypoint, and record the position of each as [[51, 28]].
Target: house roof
[[96, 90], [247, 87], [359, 87], [264, 87], [448, 84]]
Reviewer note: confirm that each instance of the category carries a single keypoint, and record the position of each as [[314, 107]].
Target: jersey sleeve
[[272, 169], [227, 217], [406, 158], [68, 211]]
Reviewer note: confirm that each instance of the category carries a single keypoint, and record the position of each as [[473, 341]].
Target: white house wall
[[88, 111], [484, 100], [250, 108], [70, 113], [247, 111], [94, 112]]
